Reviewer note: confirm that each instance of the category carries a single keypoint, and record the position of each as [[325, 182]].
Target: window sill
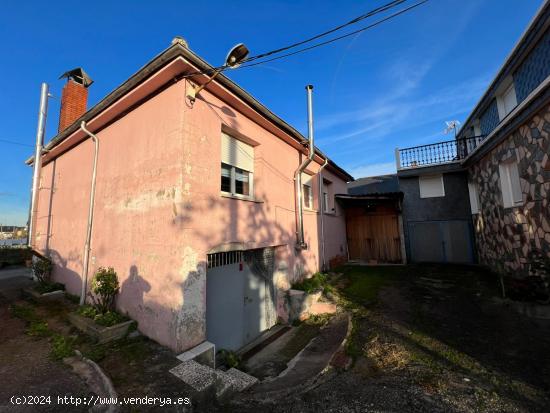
[[306, 209], [332, 213], [240, 197]]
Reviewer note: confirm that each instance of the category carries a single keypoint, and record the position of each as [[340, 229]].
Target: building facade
[[502, 155], [194, 204]]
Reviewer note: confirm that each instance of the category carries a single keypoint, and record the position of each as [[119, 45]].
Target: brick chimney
[[74, 97]]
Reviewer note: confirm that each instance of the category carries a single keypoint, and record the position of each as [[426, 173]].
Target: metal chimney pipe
[[37, 164], [300, 242]]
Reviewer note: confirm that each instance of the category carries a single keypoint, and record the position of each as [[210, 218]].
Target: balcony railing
[[436, 153]]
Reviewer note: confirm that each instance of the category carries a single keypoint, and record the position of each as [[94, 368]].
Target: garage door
[[441, 241], [239, 300]]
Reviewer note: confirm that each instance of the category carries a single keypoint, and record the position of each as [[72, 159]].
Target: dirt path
[[25, 366]]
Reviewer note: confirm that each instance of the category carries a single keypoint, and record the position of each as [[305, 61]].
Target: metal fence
[[13, 242], [437, 153]]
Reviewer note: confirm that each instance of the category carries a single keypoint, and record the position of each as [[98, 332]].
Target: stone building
[[501, 160]]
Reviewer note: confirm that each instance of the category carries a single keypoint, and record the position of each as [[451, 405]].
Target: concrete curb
[[311, 382], [96, 379]]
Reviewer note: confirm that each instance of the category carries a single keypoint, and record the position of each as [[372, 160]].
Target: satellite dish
[[236, 56]]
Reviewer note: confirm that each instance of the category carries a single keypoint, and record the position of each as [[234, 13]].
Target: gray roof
[[374, 185]]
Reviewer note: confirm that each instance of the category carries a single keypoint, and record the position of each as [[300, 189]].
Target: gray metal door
[[441, 241], [224, 306], [237, 304]]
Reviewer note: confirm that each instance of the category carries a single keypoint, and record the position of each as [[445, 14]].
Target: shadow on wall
[[176, 316]]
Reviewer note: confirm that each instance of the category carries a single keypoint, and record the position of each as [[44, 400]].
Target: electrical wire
[[15, 143], [366, 15], [370, 26], [362, 17]]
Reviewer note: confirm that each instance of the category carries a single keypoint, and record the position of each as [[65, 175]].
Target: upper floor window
[[506, 101], [327, 197], [237, 169], [510, 184], [307, 191], [474, 197], [431, 186]]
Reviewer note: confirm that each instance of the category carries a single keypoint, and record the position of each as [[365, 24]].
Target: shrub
[[107, 319], [38, 329], [229, 358], [105, 287], [315, 283], [42, 269]]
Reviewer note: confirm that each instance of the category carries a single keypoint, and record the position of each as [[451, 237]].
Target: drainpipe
[[322, 212], [42, 113], [90, 215], [300, 242]]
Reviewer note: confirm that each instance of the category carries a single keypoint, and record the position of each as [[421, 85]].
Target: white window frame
[[425, 191], [508, 93], [474, 198], [235, 165], [510, 184], [327, 198], [310, 197]]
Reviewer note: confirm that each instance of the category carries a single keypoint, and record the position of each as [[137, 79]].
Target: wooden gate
[[373, 234]]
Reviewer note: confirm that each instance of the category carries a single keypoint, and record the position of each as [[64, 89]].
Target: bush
[[105, 287], [315, 283], [42, 269], [107, 319]]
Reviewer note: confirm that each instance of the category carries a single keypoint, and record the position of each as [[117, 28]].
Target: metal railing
[[436, 153]]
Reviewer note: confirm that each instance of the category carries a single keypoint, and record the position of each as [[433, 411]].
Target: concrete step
[[203, 378]]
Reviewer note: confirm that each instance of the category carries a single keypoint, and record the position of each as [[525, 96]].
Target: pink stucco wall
[[158, 210]]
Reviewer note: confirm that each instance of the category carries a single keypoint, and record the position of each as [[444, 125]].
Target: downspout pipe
[[87, 248], [40, 130], [322, 216], [300, 242]]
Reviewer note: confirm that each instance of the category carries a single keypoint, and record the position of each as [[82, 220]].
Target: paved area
[[25, 366]]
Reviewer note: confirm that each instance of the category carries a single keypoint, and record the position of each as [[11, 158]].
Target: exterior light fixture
[[234, 59]]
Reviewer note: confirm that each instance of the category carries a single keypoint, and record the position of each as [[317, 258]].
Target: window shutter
[[237, 153], [431, 186], [306, 179], [474, 197]]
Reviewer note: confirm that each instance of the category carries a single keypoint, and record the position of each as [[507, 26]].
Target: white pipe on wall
[[87, 248]]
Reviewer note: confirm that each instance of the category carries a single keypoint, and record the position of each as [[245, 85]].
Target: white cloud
[[373, 169]]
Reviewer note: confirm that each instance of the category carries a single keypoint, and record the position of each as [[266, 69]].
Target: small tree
[[42, 269], [105, 288]]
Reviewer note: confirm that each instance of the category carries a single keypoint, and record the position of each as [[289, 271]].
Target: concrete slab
[[241, 380], [204, 353], [200, 377]]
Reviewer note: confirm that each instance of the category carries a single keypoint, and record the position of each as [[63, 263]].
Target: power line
[[362, 17], [368, 14], [16, 143], [370, 26]]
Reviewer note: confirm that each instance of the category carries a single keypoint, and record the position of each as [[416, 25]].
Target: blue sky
[[393, 86]]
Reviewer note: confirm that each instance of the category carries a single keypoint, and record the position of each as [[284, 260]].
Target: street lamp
[[233, 60]]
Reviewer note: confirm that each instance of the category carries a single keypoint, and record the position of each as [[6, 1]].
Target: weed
[[38, 329], [61, 347], [229, 358]]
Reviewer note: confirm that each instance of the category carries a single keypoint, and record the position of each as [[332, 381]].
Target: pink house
[[194, 203]]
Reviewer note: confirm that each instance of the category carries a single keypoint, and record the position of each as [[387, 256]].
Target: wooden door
[[373, 236]]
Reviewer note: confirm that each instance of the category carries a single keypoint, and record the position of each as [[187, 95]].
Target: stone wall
[[516, 241]]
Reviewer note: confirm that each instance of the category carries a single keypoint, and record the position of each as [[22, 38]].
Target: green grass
[[61, 347], [24, 312], [38, 329], [316, 282], [362, 284]]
